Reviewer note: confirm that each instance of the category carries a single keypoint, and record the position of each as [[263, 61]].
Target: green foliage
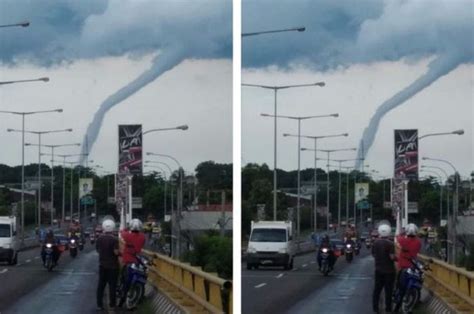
[[213, 253]]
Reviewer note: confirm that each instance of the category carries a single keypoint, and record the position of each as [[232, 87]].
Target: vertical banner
[[405, 167], [121, 191], [86, 185], [361, 191], [130, 149], [406, 154]]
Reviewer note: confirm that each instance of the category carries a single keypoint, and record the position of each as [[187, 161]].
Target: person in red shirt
[[132, 241], [409, 247]]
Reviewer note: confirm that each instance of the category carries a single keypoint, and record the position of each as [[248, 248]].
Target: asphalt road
[[305, 290], [70, 288]]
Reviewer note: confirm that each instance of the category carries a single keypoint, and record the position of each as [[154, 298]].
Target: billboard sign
[[86, 185], [130, 149], [361, 191], [406, 154]]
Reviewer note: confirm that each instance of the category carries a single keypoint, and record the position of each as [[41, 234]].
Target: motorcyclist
[[49, 238], [132, 241], [326, 243], [383, 251], [409, 247]]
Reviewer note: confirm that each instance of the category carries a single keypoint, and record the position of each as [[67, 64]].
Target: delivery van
[[9, 243]]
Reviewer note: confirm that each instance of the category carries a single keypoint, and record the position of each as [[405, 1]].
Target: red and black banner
[[130, 149], [406, 154]]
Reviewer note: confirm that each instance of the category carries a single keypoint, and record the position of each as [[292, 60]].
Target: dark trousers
[[401, 288], [107, 276], [385, 282]]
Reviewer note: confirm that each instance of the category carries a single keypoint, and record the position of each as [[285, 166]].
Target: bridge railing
[[452, 284], [188, 286]]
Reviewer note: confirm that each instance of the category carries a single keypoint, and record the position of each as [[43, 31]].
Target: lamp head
[[68, 130], [59, 110], [286, 134], [25, 24], [335, 115], [264, 114], [304, 148], [424, 158], [345, 134], [458, 132], [44, 79], [182, 127], [9, 130], [320, 84], [148, 154], [301, 29]]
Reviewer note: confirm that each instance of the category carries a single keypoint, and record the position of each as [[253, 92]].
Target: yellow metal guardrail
[[194, 290], [452, 284]]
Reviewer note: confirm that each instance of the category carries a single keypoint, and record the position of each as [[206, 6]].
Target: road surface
[[304, 289], [69, 288]]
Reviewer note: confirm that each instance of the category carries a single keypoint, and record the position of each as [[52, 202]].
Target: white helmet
[[412, 229], [136, 225], [108, 225], [384, 231]]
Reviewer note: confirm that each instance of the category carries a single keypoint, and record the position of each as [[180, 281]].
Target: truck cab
[[9, 244], [271, 244]]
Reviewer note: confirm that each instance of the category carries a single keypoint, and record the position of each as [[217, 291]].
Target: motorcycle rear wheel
[[410, 299], [134, 295]]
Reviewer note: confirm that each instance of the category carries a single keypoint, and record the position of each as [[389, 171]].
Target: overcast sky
[[156, 63], [365, 54]]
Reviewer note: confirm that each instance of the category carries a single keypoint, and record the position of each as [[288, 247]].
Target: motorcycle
[[413, 282], [348, 252], [48, 258], [136, 279], [72, 248], [325, 267], [368, 243]]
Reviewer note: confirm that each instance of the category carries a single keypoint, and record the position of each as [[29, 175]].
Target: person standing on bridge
[[409, 247], [383, 251], [132, 242], [108, 247]]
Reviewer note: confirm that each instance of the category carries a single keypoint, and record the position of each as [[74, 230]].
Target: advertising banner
[[130, 149], [361, 191], [86, 185], [121, 191], [406, 154]]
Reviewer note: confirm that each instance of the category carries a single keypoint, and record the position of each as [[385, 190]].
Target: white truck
[[9, 242], [271, 244]]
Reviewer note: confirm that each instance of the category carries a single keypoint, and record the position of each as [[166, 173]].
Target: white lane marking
[[294, 269], [28, 261], [37, 257], [19, 264], [279, 276], [260, 285], [313, 262], [304, 265], [3, 271]]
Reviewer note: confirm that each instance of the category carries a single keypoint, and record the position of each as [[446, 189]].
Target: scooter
[[412, 280], [135, 280], [325, 268], [73, 248], [80, 244], [368, 243], [48, 258], [349, 252]]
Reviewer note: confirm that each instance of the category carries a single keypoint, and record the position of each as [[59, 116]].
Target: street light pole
[[40, 133], [180, 198], [316, 138], [299, 119], [23, 114], [293, 29], [275, 89], [455, 206]]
